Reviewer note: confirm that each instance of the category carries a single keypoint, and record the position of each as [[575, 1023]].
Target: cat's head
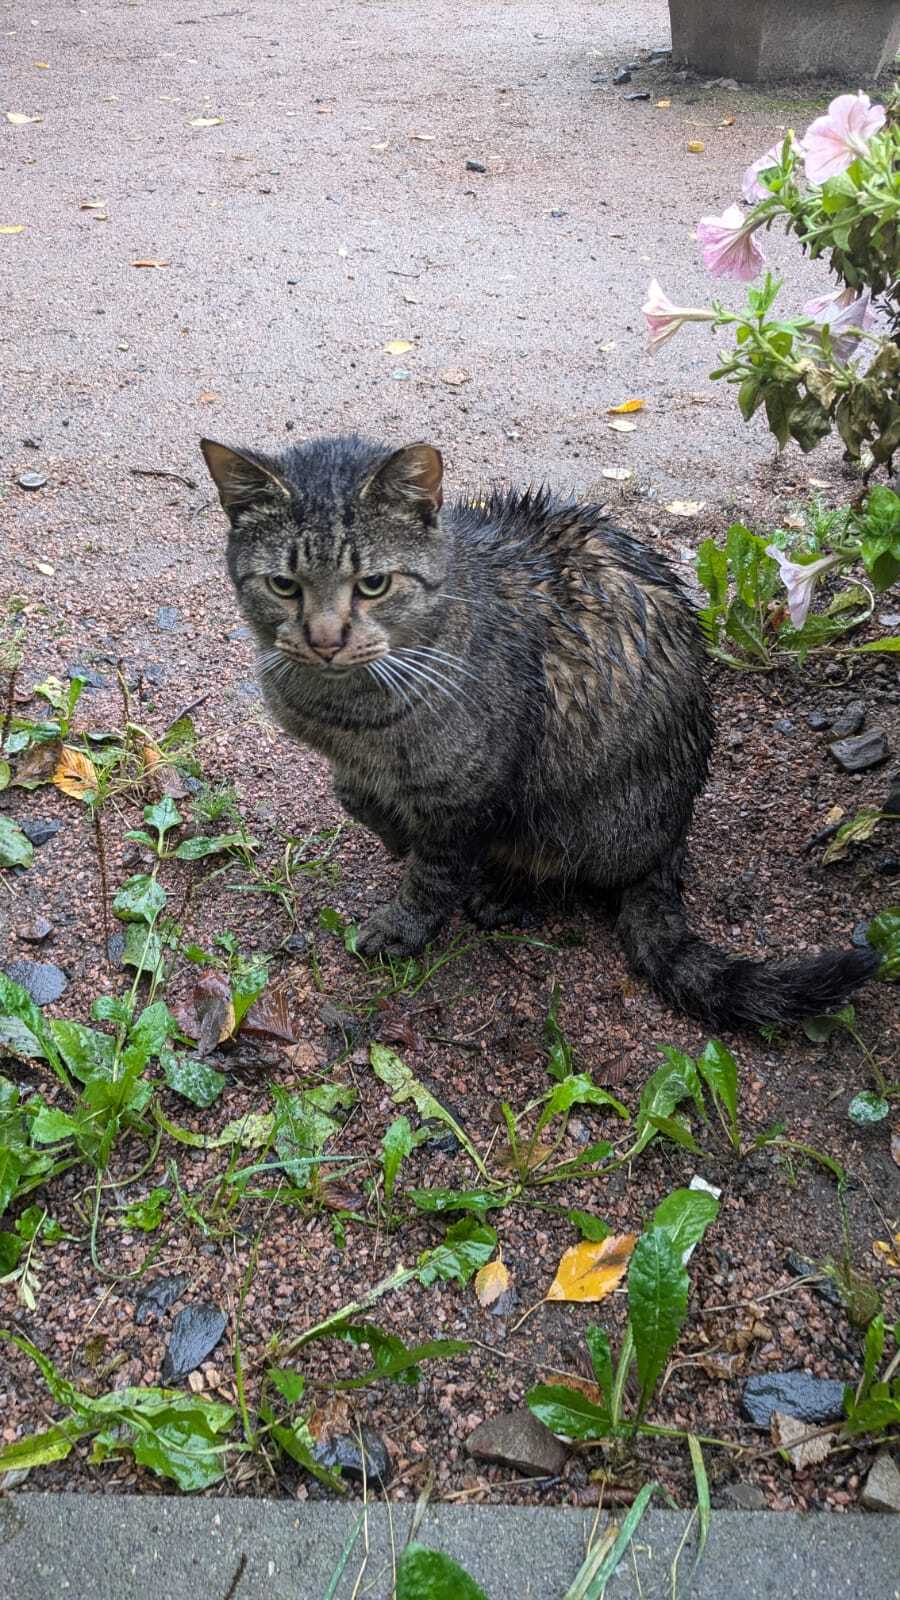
[[335, 549]]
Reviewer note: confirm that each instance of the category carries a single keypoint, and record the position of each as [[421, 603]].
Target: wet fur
[[566, 730]]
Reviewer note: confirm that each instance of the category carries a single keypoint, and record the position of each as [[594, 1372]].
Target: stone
[[622, 76], [296, 944], [168, 619], [475, 166], [35, 931], [882, 1487], [238, 633], [155, 1297], [850, 720], [89, 677], [43, 980], [797, 1394], [32, 480], [841, 39], [892, 798], [860, 935], [39, 832], [889, 619], [745, 1497], [343, 1454], [863, 751], [195, 1333], [819, 721], [637, 94], [783, 725], [518, 1439]]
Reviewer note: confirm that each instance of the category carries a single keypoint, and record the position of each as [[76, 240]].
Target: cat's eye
[[285, 588], [373, 585]]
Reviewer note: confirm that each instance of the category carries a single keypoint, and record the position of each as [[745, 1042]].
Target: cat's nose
[[325, 638]]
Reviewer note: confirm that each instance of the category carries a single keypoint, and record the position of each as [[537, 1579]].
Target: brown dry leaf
[[332, 1416], [696, 147], [833, 816], [491, 1282], [149, 261], [395, 1029], [895, 1145], [12, 227], [590, 1271], [585, 1386], [207, 396], [19, 118], [270, 1017], [720, 1366], [625, 407], [208, 1016], [505, 1160], [39, 763], [150, 756], [747, 1332], [789, 1431], [75, 774], [685, 508], [454, 376], [818, 483], [206, 122], [398, 347], [727, 122], [622, 425]]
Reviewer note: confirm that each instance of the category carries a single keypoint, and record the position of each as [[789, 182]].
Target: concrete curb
[[117, 1547]]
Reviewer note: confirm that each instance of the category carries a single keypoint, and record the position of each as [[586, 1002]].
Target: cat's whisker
[[437, 670], [444, 686], [382, 673], [440, 658]]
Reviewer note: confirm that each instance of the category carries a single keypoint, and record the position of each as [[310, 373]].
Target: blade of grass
[[593, 1587], [703, 1502]]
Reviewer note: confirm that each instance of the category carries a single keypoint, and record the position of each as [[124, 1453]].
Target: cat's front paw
[[394, 931]]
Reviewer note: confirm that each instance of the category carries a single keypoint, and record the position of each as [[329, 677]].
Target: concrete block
[[768, 40]]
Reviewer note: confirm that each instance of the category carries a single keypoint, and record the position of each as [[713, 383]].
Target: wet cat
[[507, 690]]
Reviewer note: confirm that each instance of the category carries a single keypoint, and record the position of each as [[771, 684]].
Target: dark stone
[[92, 679], [860, 935], [158, 1295], [168, 619], [195, 1332], [850, 720], [475, 166], [153, 672], [343, 1454], [637, 94], [44, 981], [862, 752], [39, 832], [745, 1497], [661, 54], [297, 944], [888, 865], [882, 1486], [32, 480], [892, 798], [827, 1289], [622, 76], [445, 1143], [518, 1439], [35, 931], [115, 948], [783, 725], [558, 214], [819, 721], [797, 1394]]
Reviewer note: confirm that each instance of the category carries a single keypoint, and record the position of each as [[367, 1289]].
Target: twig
[[771, 1294], [104, 881], [241, 1568], [8, 708], [162, 472], [187, 710]]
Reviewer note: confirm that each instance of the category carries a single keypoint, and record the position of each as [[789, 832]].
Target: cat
[[509, 690]]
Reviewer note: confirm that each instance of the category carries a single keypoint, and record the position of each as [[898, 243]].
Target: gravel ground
[[327, 214]]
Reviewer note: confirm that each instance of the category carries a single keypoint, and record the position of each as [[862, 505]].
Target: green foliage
[[657, 1306], [467, 1245], [16, 849], [430, 1575], [883, 933], [874, 1408]]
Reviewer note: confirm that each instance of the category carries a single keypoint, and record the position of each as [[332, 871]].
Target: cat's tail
[[726, 992]]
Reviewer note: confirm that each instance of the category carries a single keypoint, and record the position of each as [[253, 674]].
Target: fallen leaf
[[618, 474], [39, 763], [591, 1391], [207, 396], [149, 262], [45, 568], [626, 406], [818, 483], [888, 1255], [685, 508], [208, 1016], [75, 774], [40, 63], [454, 376], [271, 1017], [789, 1431], [398, 1030], [622, 426], [530, 1156], [332, 1416], [696, 147], [720, 1366], [663, 105], [794, 521], [381, 146], [491, 1282], [832, 816], [607, 345], [206, 122], [398, 347], [12, 227], [590, 1271], [19, 119], [727, 122]]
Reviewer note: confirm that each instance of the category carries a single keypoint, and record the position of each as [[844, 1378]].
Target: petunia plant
[[836, 362]]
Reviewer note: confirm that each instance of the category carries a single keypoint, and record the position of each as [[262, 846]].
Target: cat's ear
[[240, 480], [411, 477]]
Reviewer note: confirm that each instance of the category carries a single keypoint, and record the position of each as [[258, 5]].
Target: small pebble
[[622, 76], [39, 832], [850, 720], [638, 94], [860, 935], [32, 480], [862, 752], [35, 931], [783, 725], [475, 166], [167, 619], [819, 721], [43, 980]]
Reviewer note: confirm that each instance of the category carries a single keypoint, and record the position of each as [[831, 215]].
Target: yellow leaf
[[887, 1254], [19, 119], [685, 508], [207, 397], [727, 122], [491, 1282], [41, 63], [146, 262], [12, 227], [663, 105], [151, 756], [206, 122], [590, 1270], [696, 147], [622, 426], [398, 347], [625, 407], [75, 775], [92, 205]]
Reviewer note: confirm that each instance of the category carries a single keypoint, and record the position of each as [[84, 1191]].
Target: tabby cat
[[508, 690]]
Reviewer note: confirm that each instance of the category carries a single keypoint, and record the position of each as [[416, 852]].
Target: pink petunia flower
[[729, 248], [751, 188], [833, 141], [664, 318], [842, 312], [799, 580]]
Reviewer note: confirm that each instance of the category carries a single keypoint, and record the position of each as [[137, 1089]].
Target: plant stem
[[104, 881], [8, 708]]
